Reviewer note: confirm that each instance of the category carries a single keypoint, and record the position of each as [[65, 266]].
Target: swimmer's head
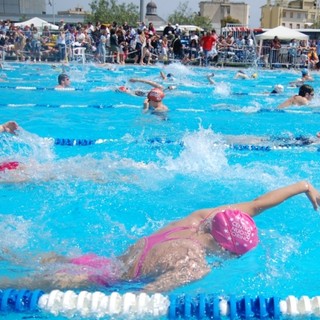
[[169, 75], [123, 89], [278, 88], [62, 77], [156, 95], [234, 231], [254, 75], [304, 72]]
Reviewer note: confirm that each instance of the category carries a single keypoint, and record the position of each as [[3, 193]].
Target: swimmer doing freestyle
[[172, 256]]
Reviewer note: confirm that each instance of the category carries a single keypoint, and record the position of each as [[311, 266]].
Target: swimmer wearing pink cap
[[235, 231], [174, 255]]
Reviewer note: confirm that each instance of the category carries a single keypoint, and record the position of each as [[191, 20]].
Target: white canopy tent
[[37, 22], [282, 33]]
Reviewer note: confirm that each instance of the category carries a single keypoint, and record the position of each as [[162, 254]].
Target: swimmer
[[63, 81], [153, 102], [271, 141], [278, 88], [305, 76], [304, 97], [10, 127], [170, 257], [169, 76], [241, 75], [143, 93], [153, 84], [138, 93], [210, 78]]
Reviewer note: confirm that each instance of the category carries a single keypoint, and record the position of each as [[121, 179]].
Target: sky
[[165, 7]]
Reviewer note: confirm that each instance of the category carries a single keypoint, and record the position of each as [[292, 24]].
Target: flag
[[50, 3]]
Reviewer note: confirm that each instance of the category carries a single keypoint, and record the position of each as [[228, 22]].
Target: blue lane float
[[96, 304], [31, 88], [156, 141]]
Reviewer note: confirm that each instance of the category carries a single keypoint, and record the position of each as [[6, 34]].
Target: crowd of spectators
[[143, 44]]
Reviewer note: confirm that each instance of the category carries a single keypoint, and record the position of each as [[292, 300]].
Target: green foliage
[[184, 15], [229, 19], [107, 11]]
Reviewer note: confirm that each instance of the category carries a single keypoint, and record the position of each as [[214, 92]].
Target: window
[[298, 26], [290, 25], [291, 14], [298, 15], [284, 14]]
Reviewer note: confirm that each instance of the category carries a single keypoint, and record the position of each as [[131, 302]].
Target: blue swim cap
[[304, 71], [169, 75]]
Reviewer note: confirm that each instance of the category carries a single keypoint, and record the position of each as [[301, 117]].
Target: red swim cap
[[9, 165], [156, 95], [123, 89]]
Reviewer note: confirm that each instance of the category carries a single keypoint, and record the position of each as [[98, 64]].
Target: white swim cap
[[278, 88]]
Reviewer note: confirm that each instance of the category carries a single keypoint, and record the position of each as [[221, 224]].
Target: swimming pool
[[148, 171]]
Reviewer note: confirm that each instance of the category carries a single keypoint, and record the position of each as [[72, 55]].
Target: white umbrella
[[37, 22]]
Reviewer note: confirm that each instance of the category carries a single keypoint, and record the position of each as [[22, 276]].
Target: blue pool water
[[149, 171]]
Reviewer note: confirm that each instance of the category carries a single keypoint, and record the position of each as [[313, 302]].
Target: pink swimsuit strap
[[153, 240]]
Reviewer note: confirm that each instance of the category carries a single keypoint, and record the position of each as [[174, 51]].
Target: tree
[[107, 11], [229, 19], [184, 15]]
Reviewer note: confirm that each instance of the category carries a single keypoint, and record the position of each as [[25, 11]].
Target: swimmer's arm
[[10, 126], [150, 82], [209, 77], [145, 106], [289, 102], [163, 76], [275, 197]]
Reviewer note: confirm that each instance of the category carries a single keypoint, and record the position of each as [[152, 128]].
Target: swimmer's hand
[[313, 195], [133, 80], [10, 127]]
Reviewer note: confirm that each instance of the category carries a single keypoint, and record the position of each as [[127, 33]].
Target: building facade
[[217, 10], [22, 7], [297, 14], [152, 16]]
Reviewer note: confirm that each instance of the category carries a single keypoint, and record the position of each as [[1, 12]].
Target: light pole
[[141, 10], [51, 4]]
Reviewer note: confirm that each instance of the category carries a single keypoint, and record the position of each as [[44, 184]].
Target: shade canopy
[[37, 22], [282, 33]]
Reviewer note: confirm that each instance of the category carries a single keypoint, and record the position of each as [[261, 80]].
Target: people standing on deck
[[208, 42], [114, 46], [275, 51]]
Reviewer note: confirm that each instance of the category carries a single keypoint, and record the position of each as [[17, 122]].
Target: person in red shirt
[[208, 42]]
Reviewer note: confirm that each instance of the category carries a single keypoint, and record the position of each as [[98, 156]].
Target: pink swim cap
[[123, 89], [234, 231], [156, 95]]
